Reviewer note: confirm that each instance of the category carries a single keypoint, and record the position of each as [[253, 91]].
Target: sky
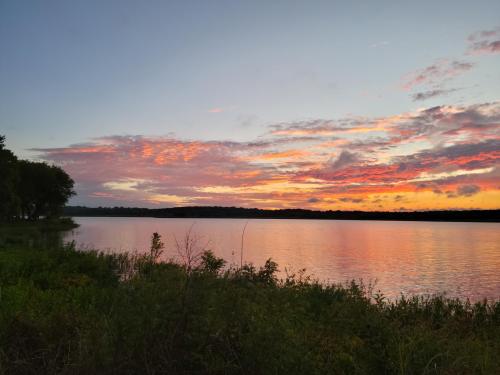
[[386, 105]]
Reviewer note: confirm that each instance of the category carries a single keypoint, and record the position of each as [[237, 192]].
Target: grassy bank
[[64, 311], [40, 233]]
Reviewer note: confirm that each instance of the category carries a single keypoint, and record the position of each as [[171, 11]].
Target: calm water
[[459, 259]]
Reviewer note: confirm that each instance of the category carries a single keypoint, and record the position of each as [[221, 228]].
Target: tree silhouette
[[9, 201], [31, 189], [43, 189]]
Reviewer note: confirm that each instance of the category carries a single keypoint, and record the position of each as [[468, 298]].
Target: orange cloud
[[289, 154], [440, 157]]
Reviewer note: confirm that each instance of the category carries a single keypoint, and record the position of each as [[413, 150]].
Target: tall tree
[[43, 189], [31, 189], [9, 200]]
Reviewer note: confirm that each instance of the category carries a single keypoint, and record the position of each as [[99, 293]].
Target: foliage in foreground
[[65, 311]]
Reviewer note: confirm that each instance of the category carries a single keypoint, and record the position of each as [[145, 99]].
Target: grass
[[42, 233], [68, 312]]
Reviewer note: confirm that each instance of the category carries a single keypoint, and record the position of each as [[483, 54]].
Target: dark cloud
[[484, 42], [437, 73], [464, 191], [473, 155], [468, 190], [431, 94], [311, 127], [351, 200], [345, 159]]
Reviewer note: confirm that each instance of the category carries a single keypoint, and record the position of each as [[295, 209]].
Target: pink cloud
[[461, 147], [215, 110]]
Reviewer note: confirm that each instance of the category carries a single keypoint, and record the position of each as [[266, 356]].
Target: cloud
[[329, 128], [361, 133], [436, 74], [284, 154], [247, 120], [345, 159], [216, 110], [424, 152], [380, 44], [307, 128], [484, 42], [351, 200], [464, 191], [431, 94], [468, 190]]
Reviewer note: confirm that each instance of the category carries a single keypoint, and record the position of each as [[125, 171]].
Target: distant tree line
[[255, 213], [30, 190]]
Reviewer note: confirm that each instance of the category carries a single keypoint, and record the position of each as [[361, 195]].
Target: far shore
[[204, 212]]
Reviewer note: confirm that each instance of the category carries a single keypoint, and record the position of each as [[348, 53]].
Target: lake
[[458, 259]]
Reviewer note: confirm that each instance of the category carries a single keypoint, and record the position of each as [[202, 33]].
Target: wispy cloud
[[216, 110], [484, 42], [436, 74], [424, 95], [382, 43]]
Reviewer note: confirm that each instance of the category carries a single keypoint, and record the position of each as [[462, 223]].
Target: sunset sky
[[376, 105]]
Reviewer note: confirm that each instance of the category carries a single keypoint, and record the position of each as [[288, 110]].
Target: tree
[[43, 189], [31, 189], [9, 201]]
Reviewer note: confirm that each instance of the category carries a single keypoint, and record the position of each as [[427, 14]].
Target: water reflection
[[22, 236], [461, 259]]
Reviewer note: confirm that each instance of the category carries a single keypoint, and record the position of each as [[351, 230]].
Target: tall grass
[[70, 312]]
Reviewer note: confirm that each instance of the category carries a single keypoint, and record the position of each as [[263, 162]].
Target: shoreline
[[286, 218], [470, 216]]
